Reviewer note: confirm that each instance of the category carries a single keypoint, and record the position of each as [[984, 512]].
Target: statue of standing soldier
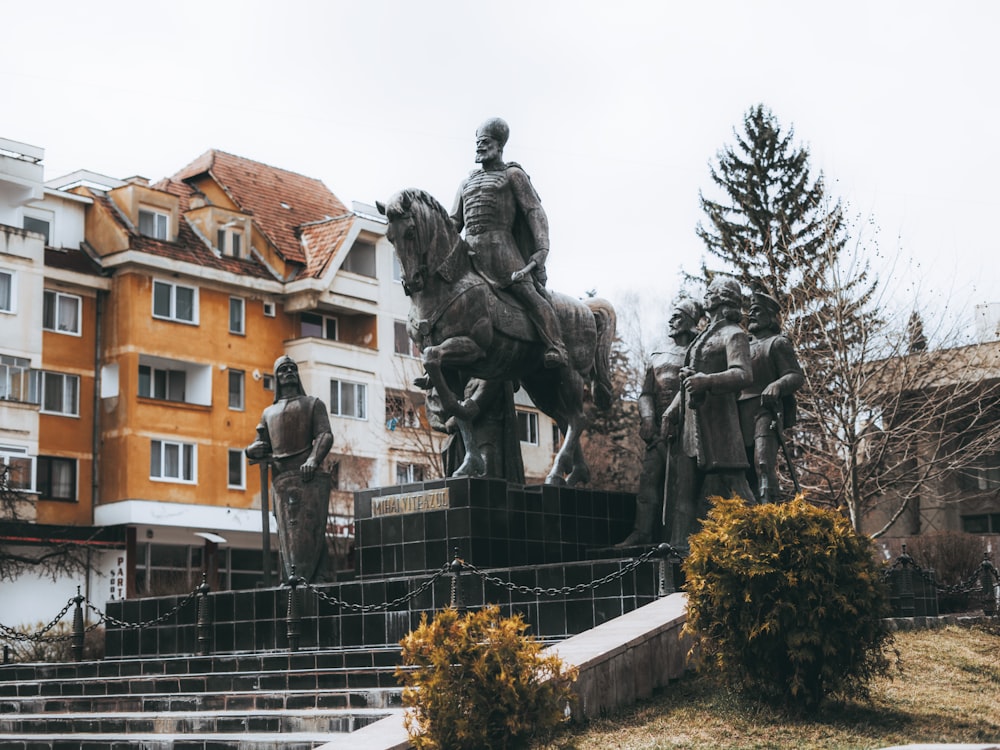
[[767, 405], [294, 437], [704, 414], [662, 459]]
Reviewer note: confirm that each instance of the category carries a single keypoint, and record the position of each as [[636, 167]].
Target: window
[[527, 427], [171, 461], [401, 341], [556, 438], [230, 242], [56, 478], [397, 268], [60, 394], [361, 258], [153, 224], [175, 302], [237, 469], [319, 326], [236, 380], [400, 411], [6, 291], [20, 467], [268, 381], [61, 312], [237, 317], [983, 524], [268, 309], [348, 399], [407, 473], [18, 382], [39, 226], [157, 382]]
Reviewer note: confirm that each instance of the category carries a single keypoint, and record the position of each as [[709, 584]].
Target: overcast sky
[[616, 110]]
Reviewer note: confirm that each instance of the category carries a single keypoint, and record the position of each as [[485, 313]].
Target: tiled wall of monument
[[534, 537], [256, 620], [491, 523]]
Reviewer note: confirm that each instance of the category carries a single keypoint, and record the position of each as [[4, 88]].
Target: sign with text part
[[410, 502]]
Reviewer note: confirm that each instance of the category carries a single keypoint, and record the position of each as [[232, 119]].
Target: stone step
[[181, 724], [118, 741], [385, 656], [377, 698], [219, 682]]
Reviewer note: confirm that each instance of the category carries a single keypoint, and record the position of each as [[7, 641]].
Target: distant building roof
[[280, 201]]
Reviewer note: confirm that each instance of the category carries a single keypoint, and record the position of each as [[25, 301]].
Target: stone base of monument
[[533, 549], [520, 538]]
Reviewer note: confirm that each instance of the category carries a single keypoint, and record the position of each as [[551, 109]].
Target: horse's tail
[[606, 320]]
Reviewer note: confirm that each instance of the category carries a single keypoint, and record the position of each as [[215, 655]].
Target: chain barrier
[[112, 620], [39, 635], [565, 590], [334, 601], [200, 593]]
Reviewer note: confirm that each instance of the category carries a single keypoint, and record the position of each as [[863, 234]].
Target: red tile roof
[[189, 247], [280, 201], [321, 241]]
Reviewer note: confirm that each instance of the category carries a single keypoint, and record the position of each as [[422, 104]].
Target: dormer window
[[154, 224], [230, 242]]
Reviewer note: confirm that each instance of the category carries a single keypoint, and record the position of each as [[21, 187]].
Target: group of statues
[[713, 409]]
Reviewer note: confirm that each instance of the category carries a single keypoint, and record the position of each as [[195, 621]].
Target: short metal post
[[456, 582], [294, 618], [77, 637], [665, 570], [204, 626]]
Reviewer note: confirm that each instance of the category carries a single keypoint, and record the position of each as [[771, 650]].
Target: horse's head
[[417, 222]]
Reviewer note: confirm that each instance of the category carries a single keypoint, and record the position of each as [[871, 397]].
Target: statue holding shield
[[294, 437]]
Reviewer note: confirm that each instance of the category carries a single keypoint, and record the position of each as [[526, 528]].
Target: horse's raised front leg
[[453, 352]]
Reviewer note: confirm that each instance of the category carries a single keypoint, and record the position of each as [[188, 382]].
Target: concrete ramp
[[620, 662]]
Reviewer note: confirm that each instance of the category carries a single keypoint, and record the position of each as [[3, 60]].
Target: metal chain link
[[39, 635], [973, 583], [375, 607], [104, 617], [564, 590]]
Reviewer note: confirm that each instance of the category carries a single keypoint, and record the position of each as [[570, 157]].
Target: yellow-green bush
[[477, 682], [786, 602]]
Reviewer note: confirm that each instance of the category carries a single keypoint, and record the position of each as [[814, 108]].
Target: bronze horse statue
[[466, 328]]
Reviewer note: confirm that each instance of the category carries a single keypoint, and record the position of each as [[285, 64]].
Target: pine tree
[[776, 230]]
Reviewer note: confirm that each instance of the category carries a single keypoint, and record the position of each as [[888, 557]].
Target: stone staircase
[[290, 701], [545, 553]]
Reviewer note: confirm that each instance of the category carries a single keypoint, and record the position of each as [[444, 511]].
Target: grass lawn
[[946, 690]]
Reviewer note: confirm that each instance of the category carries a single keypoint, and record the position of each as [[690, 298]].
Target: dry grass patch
[[947, 691]]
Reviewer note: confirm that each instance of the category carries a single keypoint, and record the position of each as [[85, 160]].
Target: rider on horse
[[508, 233]]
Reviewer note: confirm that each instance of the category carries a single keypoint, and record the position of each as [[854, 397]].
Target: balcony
[[21, 178]]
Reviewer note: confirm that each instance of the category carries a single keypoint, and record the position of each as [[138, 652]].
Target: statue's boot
[[544, 318], [645, 520]]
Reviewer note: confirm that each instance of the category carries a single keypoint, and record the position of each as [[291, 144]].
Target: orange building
[[165, 306]]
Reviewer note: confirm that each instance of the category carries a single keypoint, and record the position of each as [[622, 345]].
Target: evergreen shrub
[[477, 682], [786, 602]]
